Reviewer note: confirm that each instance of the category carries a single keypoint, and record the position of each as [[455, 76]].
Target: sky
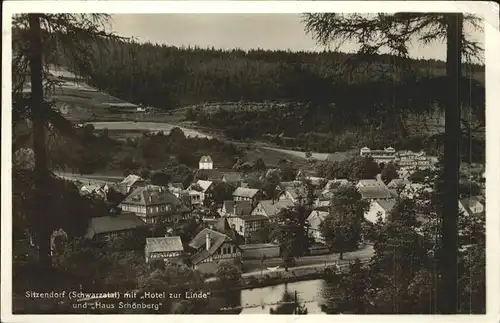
[[245, 31]]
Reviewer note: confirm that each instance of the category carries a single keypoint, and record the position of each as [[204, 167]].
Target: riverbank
[[267, 278]]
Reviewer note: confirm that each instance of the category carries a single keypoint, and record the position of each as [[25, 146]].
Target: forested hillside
[[169, 77], [326, 101]]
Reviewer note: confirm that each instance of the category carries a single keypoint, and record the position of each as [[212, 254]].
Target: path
[[92, 179], [363, 255]]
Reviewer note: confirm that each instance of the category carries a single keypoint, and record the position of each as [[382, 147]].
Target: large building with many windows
[[155, 204], [385, 155]]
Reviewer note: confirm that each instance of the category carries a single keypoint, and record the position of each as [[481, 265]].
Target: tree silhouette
[[389, 172], [290, 304], [36, 38], [396, 32]]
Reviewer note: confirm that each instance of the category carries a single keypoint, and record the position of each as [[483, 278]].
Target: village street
[[307, 262]]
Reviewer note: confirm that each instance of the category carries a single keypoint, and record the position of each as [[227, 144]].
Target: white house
[[370, 183], [382, 207], [206, 162], [470, 206], [315, 218], [379, 155], [199, 191]]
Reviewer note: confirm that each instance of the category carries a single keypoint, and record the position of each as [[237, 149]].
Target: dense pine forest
[[169, 77]]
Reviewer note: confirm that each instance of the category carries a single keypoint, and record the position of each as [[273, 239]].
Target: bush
[[228, 274]]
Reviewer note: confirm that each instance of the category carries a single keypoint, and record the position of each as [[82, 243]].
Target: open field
[[145, 126]]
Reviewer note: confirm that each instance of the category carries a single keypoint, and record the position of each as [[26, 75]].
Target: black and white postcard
[[250, 157]]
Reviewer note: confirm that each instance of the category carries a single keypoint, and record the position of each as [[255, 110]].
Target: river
[[315, 295]]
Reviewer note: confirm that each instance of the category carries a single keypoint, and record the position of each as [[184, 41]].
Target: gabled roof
[[297, 192], [370, 183], [374, 193], [149, 196], [223, 226], [131, 179], [387, 205], [470, 202], [205, 185], [206, 159], [216, 240], [238, 207], [315, 218], [398, 182], [92, 188], [107, 224], [272, 209], [245, 192], [232, 177], [164, 244]]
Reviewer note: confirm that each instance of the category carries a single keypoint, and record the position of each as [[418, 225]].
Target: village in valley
[[235, 216], [181, 180]]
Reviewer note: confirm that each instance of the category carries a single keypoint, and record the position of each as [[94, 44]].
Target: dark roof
[[374, 193], [212, 174], [200, 256], [206, 159], [107, 224], [387, 205], [216, 240], [164, 244], [259, 245], [204, 185], [151, 195], [272, 209], [238, 207], [245, 192], [252, 217], [222, 226], [232, 177], [468, 202]]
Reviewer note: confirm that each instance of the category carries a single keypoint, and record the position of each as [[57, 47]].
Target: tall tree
[[36, 39], [389, 172], [396, 32], [342, 226], [290, 231]]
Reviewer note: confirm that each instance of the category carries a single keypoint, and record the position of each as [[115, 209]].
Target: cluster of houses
[[405, 160], [228, 235]]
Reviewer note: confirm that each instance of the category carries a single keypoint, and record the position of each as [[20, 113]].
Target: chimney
[[207, 238], [150, 199]]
